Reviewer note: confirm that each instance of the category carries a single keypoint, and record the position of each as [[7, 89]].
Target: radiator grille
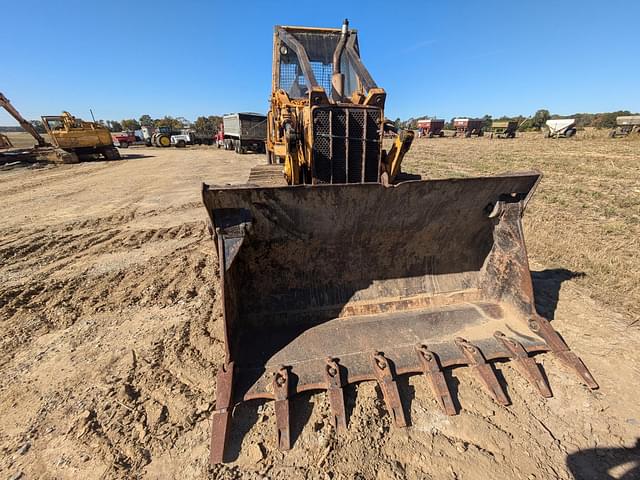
[[346, 144]]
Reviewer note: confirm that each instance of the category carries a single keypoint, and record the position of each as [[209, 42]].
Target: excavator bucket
[[328, 285]]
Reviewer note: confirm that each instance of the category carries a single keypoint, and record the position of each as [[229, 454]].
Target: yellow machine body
[[75, 135], [326, 118]]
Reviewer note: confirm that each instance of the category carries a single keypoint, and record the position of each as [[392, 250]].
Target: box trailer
[[468, 126], [431, 127], [244, 132], [504, 128]]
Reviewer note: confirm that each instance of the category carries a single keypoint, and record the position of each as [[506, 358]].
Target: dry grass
[[22, 139], [585, 216]]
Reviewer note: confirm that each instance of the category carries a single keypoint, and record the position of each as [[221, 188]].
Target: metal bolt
[[332, 371], [280, 380]]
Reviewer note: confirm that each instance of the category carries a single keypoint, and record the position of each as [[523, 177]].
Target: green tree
[[540, 118], [169, 121], [184, 123], [207, 125], [146, 121], [130, 124], [607, 120], [38, 125]]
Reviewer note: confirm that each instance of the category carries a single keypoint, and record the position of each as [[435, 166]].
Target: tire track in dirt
[[177, 271], [51, 175], [63, 282]]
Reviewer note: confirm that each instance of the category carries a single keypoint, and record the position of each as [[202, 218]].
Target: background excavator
[[69, 137], [345, 274], [43, 151], [79, 137]]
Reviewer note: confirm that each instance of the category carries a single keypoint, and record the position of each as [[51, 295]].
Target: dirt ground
[[112, 332]]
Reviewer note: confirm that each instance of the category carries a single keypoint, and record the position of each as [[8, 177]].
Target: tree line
[[206, 125], [535, 122]]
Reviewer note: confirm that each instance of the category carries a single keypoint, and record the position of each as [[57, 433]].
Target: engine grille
[[346, 144]]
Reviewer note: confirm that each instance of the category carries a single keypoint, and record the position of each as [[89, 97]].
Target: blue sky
[[127, 58]]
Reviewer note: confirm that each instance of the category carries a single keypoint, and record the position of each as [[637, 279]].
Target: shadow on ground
[[546, 288], [606, 463]]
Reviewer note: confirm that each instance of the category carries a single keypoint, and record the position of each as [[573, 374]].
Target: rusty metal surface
[[433, 371], [483, 370], [333, 284], [335, 381], [221, 417], [525, 364]]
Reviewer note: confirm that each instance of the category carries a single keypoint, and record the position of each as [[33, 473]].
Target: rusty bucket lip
[[247, 186]]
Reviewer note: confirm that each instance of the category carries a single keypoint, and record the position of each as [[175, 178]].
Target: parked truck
[[191, 137], [561, 128], [244, 132], [468, 126], [431, 127], [124, 139], [625, 125]]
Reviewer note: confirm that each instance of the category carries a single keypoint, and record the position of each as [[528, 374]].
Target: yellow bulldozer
[[345, 273]]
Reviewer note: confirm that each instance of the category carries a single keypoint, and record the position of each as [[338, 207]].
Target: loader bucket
[[328, 285]]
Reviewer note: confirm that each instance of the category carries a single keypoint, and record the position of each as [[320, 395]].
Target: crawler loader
[[345, 274], [326, 120]]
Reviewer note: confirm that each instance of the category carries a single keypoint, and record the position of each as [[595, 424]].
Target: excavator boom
[[25, 124]]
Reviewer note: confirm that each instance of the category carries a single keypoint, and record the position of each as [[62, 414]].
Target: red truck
[[124, 139]]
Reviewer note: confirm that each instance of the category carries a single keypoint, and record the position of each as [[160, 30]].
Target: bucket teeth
[[333, 375], [526, 365], [221, 418], [383, 371], [433, 372], [283, 419], [483, 370], [543, 328], [571, 360]]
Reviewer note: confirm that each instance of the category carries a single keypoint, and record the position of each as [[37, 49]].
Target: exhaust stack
[[337, 80]]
